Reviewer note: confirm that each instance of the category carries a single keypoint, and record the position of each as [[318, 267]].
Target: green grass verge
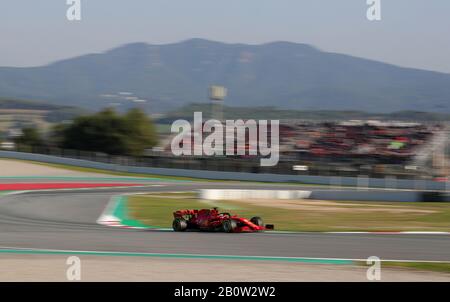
[[422, 266], [155, 209]]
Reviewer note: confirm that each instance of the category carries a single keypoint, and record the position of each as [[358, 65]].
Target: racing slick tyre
[[179, 225], [229, 225], [257, 220]]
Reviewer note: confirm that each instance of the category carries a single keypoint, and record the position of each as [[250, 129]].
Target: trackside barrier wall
[[347, 195], [219, 175], [372, 195], [226, 194]]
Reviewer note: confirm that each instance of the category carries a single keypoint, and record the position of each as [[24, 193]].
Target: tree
[[30, 137], [110, 133], [57, 134], [141, 132]]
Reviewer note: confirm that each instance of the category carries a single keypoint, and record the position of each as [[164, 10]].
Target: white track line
[[214, 255]]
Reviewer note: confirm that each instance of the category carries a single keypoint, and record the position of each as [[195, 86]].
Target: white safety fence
[[234, 194]]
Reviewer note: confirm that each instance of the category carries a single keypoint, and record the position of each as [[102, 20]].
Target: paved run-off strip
[[179, 256], [312, 260], [56, 186], [92, 178]]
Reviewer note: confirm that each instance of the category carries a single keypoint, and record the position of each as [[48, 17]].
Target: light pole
[[217, 94]]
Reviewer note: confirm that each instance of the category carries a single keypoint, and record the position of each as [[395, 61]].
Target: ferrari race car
[[212, 220]]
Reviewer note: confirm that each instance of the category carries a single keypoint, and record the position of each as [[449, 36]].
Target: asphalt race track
[[66, 220]]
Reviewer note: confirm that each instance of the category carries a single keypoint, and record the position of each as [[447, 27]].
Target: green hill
[[281, 74]]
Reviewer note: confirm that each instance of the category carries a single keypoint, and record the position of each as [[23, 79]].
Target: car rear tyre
[[257, 220], [179, 225], [229, 226]]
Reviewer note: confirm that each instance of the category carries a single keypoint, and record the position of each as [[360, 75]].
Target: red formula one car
[[212, 220]]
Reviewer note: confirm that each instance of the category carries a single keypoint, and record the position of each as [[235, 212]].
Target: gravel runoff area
[[17, 168], [97, 268]]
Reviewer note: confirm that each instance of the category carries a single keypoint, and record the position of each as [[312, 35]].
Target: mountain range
[[280, 74]]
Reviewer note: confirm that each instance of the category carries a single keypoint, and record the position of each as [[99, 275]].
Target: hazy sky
[[414, 33]]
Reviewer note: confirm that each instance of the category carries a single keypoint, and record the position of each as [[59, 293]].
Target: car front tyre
[[257, 220], [179, 225], [229, 226]]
